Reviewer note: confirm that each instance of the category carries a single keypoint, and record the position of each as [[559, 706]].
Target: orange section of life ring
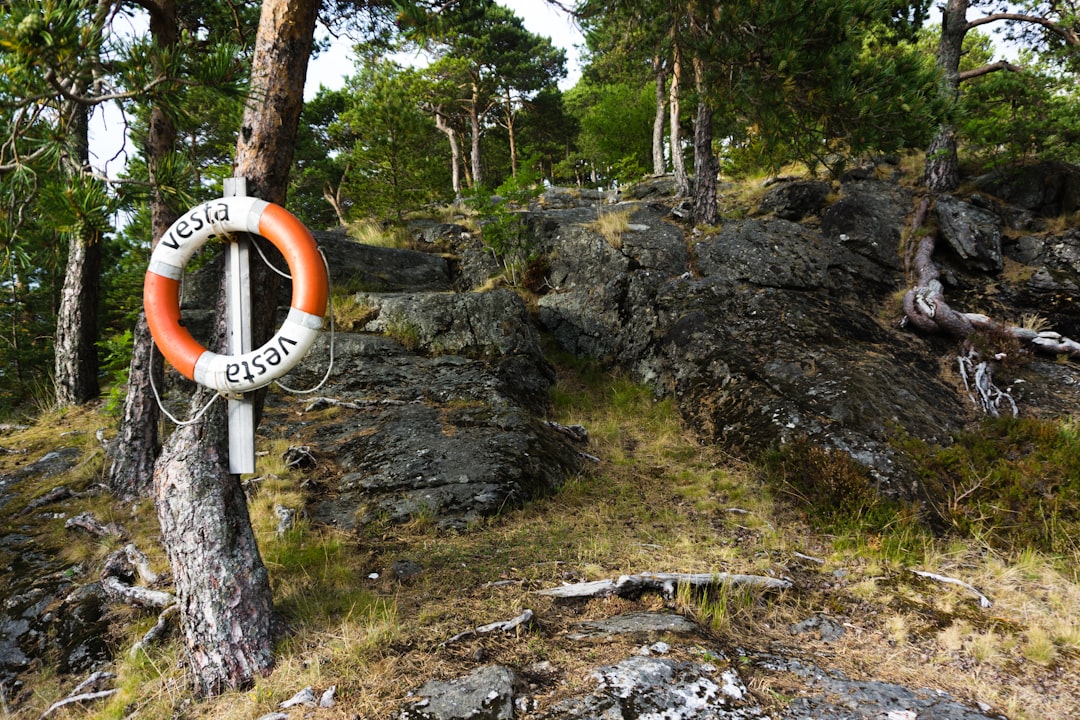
[[249, 371]]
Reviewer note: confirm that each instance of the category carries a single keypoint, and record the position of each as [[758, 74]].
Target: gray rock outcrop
[[770, 330], [686, 680], [432, 410]]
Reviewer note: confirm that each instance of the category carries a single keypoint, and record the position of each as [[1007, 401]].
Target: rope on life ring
[[310, 290]]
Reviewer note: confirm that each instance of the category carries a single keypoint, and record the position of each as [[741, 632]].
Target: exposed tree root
[[926, 310]]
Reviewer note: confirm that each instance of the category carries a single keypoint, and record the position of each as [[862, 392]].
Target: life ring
[[161, 294]]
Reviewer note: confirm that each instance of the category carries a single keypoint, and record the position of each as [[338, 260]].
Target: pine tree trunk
[[507, 104], [705, 164], [455, 153], [475, 129], [76, 324], [138, 445], [942, 172], [658, 161], [76, 363], [221, 583], [682, 180]]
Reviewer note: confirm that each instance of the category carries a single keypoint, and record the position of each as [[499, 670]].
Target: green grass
[[1013, 483]]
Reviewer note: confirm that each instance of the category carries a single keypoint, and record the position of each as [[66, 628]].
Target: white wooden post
[[238, 323]]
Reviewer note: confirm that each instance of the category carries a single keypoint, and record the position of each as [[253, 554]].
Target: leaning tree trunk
[[455, 153], [221, 583], [137, 444], [942, 162]]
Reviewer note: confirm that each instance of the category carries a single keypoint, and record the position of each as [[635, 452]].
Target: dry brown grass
[[658, 501], [612, 225]]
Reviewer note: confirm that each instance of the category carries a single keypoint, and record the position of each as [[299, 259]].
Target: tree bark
[[221, 583], [76, 324], [942, 172], [475, 129], [509, 108], [678, 164], [455, 152], [137, 447], [76, 363], [658, 161], [137, 444], [705, 163]]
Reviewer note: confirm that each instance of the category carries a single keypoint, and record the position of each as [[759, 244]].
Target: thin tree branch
[[990, 68], [1069, 36]]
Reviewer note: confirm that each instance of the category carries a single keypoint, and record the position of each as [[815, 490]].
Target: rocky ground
[[783, 324]]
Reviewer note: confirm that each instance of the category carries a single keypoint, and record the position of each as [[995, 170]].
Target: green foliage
[[60, 60], [319, 163], [115, 350], [503, 230], [1013, 483], [842, 91], [31, 267], [546, 134], [391, 143], [615, 121], [486, 64], [1006, 117]]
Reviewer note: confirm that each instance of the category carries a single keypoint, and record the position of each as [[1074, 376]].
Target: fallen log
[[983, 600], [84, 692], [135, 595], [118, 569], [154, 634], [664, 583], [90, 524]]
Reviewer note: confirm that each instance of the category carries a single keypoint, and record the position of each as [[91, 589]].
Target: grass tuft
[[612, 225]]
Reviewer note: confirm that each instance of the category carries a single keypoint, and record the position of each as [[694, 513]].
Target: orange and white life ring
[[161, 294]]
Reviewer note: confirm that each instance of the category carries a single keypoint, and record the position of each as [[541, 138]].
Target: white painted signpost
[[238, 322]]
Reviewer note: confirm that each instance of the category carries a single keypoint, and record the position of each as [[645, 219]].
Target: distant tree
[[530, 65], [53, 54], [316, 184], [620, 48], [31, 264], [1009, 117], [615, 121], [806, 88], [550, 133], [391, 141], [1053, 27], [485, 59]]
